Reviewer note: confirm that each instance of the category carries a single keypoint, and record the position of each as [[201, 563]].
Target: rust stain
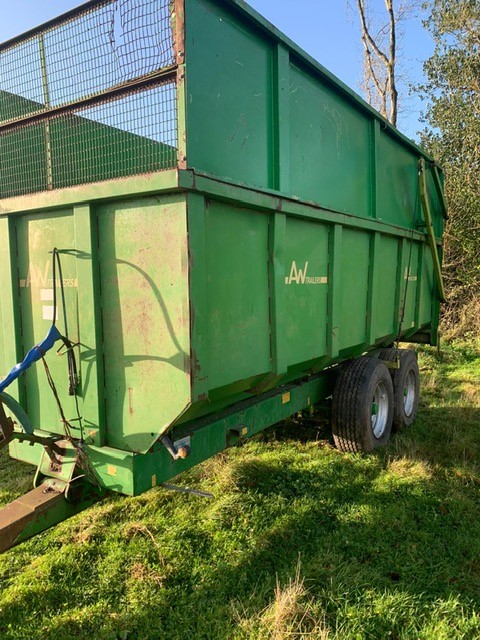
[[178, 27], [130, 401], [6, 428], [182, 158], [195, 363], [187, 364], [55, 467]]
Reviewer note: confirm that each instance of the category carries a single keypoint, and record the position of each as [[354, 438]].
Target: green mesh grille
[[68, 114]]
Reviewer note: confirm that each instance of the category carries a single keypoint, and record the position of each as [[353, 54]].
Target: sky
[[325, 29]]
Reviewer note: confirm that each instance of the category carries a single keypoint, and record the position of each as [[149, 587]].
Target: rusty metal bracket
[[6, 428], [49, 442], [8, 432], [58, 463], [392, 364], [17, 411]]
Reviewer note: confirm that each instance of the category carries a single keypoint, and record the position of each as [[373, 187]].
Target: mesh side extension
[[103, 47], [133, 133], [68, 112]]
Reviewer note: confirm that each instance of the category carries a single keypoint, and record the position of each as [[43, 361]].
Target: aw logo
[[299, 276], [39, 278]]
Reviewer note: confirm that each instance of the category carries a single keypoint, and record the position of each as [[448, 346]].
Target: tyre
[[406, 386], [362, 406]]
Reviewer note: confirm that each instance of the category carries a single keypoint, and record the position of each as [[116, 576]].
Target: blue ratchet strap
[[35, 354]]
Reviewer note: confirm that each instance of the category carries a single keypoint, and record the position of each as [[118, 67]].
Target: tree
[[380, 39], [452, 92]]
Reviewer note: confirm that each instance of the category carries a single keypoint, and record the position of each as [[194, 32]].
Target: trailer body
[[230, 221]]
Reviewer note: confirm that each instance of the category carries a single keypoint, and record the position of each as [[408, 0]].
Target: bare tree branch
[[366, 31], [391, 63], [371, 71], [380, 55]]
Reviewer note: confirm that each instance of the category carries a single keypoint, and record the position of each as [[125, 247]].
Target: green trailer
[[214, 233]]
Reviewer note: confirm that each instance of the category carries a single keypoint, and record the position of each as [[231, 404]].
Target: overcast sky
[[324, 28]]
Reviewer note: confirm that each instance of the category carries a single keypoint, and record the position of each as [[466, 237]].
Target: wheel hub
[[409, 393], [379, 414]]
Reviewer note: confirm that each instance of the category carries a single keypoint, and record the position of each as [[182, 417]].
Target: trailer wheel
[[406, 386], [362, 407]]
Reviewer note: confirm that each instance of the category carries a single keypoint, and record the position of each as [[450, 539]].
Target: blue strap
[[32, 356]]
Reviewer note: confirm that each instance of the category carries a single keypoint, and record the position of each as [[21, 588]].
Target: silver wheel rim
[[409, 393], [379, 416]]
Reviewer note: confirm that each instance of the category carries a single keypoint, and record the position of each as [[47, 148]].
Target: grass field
[[300, 541]]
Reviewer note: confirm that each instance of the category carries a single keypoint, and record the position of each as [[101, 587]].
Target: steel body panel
[[333, 292], [310, 137], [125, 278], [145, 317]]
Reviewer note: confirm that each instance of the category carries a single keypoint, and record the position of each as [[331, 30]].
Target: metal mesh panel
[[23, 167], [134, 133], [90, 97], [103, 47], [21, 90]]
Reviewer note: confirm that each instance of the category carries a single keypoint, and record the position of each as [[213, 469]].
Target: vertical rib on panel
[[198, 296], [91, 354], [334, 287], [276, 240], [282, 119]]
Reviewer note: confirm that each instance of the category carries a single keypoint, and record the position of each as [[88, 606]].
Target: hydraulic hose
[[18, 412]]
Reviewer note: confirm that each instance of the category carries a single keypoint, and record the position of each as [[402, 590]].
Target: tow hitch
[[61, 487]]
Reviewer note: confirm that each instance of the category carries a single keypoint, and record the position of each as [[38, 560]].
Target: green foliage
[[300, 541], [452, 89]]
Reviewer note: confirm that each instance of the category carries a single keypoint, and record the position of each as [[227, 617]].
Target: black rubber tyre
[[356, 424], [406, 386]]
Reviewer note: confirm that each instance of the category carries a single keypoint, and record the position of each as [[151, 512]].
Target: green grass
[[300, 541]]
